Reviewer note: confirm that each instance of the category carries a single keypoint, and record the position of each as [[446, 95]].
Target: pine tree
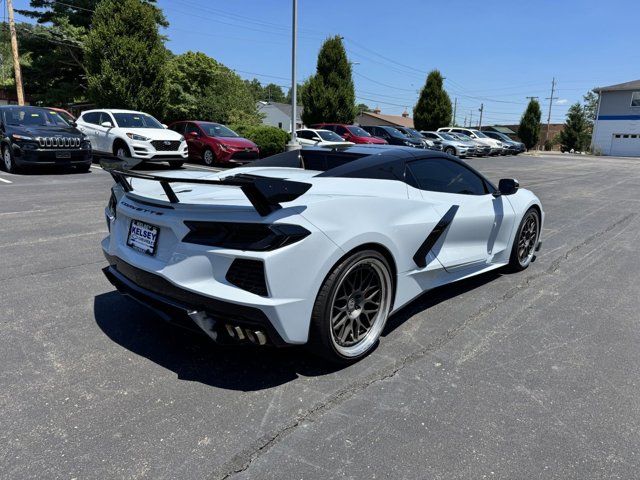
[[576, 132], [433, 109], [529, 129], [330, 94], [126, 58]]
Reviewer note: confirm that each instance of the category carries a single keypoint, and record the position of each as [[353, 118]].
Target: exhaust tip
[[230, 331], [239, 333]]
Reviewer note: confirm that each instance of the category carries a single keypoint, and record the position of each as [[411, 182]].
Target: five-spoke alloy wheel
[[525, 243]]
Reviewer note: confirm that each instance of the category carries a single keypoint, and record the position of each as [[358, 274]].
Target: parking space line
[[5, 180]]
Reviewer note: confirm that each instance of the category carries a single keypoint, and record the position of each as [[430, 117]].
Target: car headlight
[[135, 136], [408, 143], [22, 138]]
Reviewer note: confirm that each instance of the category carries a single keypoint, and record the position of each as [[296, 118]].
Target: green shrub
[[270, 140]]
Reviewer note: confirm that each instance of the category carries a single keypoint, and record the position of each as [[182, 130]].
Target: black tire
[[121, 150], [450, 151], [323, 339], [8, 162], [176, 163], [83, 168], [208, 157], [518, 260]]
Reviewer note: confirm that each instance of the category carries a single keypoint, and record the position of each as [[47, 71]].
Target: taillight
[[244, 236]]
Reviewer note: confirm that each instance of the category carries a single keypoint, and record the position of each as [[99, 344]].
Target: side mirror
[[508, 186], [193, 135], [106, 124], [164, 125]]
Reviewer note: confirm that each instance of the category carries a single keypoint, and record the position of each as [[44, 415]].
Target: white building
[[617, 127], [279, 115]]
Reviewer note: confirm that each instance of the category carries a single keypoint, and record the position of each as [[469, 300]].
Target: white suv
[[126, 133], [495, 145]]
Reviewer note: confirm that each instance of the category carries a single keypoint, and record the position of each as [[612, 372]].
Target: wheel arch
[[117, 142]]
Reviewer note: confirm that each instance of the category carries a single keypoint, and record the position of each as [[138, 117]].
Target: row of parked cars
[[49, 136], [37, 135], [461, 142]]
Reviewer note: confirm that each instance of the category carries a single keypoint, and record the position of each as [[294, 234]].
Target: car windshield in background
[[479, 134], [447, 136], [330, 136], [33, 116], [463, 136], [414, 133], [217, 130], [394, 132], [136, 120], [359, 132]]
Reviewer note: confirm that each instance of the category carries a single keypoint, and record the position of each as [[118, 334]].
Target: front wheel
[[352, 308], [208, 157], [8, 162], [450, 150], [524, 244]]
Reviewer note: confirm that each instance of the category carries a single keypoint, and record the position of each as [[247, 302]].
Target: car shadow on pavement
[[197, 358]]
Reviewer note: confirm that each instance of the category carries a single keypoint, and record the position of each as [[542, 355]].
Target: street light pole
[[293, 143]]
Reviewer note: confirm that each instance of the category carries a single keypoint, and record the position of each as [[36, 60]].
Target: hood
[[47, 131], [372, 139], [154, 133], [236, 142]]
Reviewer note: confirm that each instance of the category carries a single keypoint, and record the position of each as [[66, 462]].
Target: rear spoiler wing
[[264, 193]]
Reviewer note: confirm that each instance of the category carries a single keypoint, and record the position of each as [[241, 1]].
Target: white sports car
[[317, 246]]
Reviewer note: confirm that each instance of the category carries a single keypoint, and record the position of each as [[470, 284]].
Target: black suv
[[39, 136], [393, 136]]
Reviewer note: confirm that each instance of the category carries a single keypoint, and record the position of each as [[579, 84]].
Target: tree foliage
[[330, 94], [268, 93], [201, 88], [576, 132], [433, 109], [300, 92], [125, 57], [55, 73], [529, 129]]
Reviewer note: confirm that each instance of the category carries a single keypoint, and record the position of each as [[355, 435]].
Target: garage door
[[626, 145]]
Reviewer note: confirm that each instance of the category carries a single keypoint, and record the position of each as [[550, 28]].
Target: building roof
[[399, 120], [633, 85], [283, 107]]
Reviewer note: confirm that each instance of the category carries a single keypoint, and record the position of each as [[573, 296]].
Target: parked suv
[[416, 135], [214, 143], [513, 147], [450, 144], [126, 133], [39, 136], [351, 133], [495, 146], [393, 136]]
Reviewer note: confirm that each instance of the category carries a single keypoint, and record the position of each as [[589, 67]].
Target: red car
[[351, 133], [214, 143]]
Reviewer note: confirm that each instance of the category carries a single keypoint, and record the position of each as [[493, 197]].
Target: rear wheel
[[8, 162], [176, 163], [524, 244], [352, 308]]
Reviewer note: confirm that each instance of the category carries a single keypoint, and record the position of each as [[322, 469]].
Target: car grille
[[59, 142], [166, 145], [245, 155], [248, 275]]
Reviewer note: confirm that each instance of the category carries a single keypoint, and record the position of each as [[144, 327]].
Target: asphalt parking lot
[[529, 375]]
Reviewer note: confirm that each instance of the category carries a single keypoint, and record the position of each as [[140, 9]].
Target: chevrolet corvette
[[317, 246]]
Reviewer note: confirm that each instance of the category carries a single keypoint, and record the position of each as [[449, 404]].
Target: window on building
[[635, 99]]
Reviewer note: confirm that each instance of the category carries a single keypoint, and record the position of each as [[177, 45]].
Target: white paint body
[[342, 214]]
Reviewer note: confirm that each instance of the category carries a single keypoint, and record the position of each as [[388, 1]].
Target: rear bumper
[[179, 306]]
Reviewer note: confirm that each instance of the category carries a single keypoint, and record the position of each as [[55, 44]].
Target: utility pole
[[455, 108], [465, 120], [471, 119], [553, 88], [14, 52], [481, 111], [293, 143]]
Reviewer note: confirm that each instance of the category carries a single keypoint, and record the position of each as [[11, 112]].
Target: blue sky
[[496, 52]]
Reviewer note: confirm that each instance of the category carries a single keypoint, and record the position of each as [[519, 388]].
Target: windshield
[[359, 132], [394, 132], [217, 130], [462, 136], [504, 137], [330, 136], [136, 120], [479, 134], [33, 116], [447, 136], [414, 133]]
